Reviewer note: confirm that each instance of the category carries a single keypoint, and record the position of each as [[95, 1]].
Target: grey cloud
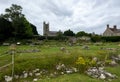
[[57, 8], [77, 15]]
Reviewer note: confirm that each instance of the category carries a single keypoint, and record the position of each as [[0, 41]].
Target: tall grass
[[50, 55]]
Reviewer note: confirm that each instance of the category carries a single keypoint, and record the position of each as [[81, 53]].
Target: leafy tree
[[13, 13], [22, 28], [60, 36], [96, 38], [34, 30], [82, 33], [69, 33], [5, 29]]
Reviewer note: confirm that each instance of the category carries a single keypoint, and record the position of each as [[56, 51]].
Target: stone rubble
[[35, 80], [8, 78], [100, 73], [61, 69]]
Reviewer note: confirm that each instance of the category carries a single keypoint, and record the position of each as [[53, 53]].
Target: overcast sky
[[77, 15]]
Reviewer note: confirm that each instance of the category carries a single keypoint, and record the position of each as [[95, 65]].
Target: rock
[[35, 79], [18, 43], [74, 69], [116, 58], [85, 47], [36, 70], [55, 73], [16, 76], [8, 78], [6, 44], [37, 74], [102, 76], [111, 76], [25, 75], [95, 59], [119, 56], [62, 49], [30, 74], [62, 73], [69, 71], [101, 68], [100, 73], [113, 63], [60, 66], [52, 75]]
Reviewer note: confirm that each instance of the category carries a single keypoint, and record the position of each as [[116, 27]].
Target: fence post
[[12, 49]]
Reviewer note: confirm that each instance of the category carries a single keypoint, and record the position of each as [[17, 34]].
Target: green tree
[[69, 33], [82, 33], [13, 13], [22, 27], [5, 29], [34, 29]]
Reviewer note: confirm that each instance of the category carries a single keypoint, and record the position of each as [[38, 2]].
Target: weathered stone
[[18, 43], [60, 66], [16, 76], [62, 49], [37, 74], [74, 69], [35, 80], [113, 63], [30, 74], [95, 59], [8, 78], [69, 71], [85, 47], [100, 73], [102, 76], [25, 75], [119, 56], [6, 44], [62, 73], [52, 75]]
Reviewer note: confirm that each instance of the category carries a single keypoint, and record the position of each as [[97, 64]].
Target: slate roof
[[115, 30]]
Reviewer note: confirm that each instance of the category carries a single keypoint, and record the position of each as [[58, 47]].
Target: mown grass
[[50, 55]]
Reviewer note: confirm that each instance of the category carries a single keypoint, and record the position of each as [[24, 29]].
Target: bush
[[84, 63]]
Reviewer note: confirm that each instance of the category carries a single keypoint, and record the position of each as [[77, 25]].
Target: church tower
[[45, 29]]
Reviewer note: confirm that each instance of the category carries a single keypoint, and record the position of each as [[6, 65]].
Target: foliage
[[34, 29], [84, 63], [50, 55], [5, 29], [96, 38], [20, 27], [69, 33], [13, 13], [111, 38], [82, 33]]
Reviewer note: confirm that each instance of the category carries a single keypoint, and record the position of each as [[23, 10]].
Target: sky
[[78, 15]]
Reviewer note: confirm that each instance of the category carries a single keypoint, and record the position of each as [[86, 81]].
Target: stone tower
[[45, 29]]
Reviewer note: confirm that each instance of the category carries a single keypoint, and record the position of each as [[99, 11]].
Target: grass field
[[50, 55]]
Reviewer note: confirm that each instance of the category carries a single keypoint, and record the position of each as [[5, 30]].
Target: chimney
[[107, 25], [115, 27]]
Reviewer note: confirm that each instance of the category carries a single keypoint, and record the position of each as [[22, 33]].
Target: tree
[[22, 27], [82, 33], [13, 13], [34, 30], [60, 36], [69, 33], [5, 29]]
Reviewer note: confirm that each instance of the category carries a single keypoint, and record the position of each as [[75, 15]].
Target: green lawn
[[50, 55]]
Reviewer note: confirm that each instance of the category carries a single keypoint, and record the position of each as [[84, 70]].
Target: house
[[111, 31], [47, 32]]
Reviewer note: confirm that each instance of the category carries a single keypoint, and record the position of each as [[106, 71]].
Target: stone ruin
[[100, 73]]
